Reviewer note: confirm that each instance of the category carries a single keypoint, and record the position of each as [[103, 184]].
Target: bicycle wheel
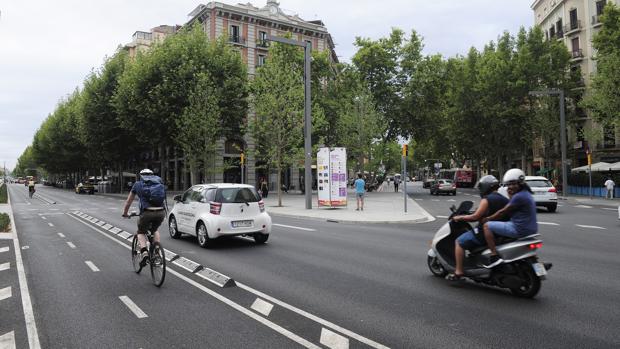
[[158, 264], [136, 258]]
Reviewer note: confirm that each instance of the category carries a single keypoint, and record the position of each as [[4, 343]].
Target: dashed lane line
[[50, 224], [5, 266], [583, 206], [92, 266], [4, 249], [441, 216], [61, 235], [293, 227], [5, 293], [590, 226], [262, 307], [70, 244], [43, 217], [610, 209], [7, 340], [548, 223], [283, 331], [333, 340], [133, 307]]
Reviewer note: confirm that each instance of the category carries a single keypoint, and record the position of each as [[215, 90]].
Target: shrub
[[4, 222], [3, 194]]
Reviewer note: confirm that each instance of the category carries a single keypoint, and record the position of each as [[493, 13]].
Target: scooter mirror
[[465, 207], [453, 208]]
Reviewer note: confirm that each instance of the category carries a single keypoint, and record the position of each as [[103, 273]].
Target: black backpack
[[153, 191]]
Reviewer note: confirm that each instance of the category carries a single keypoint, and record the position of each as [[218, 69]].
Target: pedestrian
[[360, 185], [396, 183], [264, 187], [610, 184]]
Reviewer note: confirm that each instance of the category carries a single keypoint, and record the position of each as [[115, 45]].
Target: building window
[[262, 39], [576, 51], [234, 33], [558, 26], [609, 137], [261, 60], [579, 133], [552, 32], [600, 5], [574, 23]]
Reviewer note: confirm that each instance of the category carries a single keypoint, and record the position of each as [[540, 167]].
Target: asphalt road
[[313, 284]]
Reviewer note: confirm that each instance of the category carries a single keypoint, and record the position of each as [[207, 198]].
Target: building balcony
[[572, 28], [577, 55], [262, 43], [236, 39], [596, 21], [559, 34]]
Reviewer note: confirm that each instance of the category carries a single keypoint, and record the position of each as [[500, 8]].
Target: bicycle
[[157, 257]]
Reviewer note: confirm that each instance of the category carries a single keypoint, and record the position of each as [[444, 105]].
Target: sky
[[47, 48]]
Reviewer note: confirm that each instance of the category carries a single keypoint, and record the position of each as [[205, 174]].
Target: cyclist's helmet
[[514, 175], [146, 172], [487, 185]]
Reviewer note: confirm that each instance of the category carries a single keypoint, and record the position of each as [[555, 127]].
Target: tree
[[603, 100], [278, 101]]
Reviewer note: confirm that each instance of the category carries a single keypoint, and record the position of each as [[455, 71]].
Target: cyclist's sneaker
[[145, 258]]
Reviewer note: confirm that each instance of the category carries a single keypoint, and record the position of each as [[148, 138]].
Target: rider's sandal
[[455, 278]]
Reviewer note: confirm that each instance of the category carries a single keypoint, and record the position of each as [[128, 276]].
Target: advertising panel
[[332, 177]]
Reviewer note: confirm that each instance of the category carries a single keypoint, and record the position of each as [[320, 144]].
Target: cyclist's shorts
[[150, 220]]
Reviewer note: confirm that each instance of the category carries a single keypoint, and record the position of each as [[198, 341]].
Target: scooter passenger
[[491, 202], [522, 212]]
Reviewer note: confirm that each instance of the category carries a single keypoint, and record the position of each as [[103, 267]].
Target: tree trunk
[[278, 185], [176, 170], [192, 170]]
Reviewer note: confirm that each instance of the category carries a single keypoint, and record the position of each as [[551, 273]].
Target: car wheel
[[552, 207], [173, 229], [204, 240], [260, 238]]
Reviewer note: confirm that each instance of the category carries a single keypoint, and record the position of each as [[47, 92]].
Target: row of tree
[[186, 93]]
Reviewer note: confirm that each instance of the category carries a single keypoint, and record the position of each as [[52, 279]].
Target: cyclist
[[151, 193], [31, 188]]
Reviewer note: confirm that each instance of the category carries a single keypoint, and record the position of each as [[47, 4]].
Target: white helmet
[[514, 175], [146, 172]]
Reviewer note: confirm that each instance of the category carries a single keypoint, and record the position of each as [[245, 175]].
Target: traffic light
[[405, 150], [242, 159]]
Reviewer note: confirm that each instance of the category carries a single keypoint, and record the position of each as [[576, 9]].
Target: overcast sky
[[47, 48]]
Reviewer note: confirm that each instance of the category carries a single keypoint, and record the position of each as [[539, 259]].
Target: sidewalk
[[596, 201], [379, 207]]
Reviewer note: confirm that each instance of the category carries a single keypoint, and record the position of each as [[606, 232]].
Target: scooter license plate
[[539, 269]]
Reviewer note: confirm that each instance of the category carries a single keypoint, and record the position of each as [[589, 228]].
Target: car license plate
[[539, 269], [242, 224]]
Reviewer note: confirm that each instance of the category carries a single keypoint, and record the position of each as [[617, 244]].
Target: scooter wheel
[[530, 282], [435, 267]]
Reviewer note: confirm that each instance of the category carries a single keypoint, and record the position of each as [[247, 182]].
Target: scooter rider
[[491, 202], [522, 212]]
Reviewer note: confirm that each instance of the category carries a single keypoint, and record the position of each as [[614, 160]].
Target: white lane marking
[[70, 244], [5, 266], [5, 293], [548, 223], [293, 227], [113, 208], [333, 340], [92, 266], [221, 298], [312, 317], [419, 199], [441, 216], [31, 325], [4, 249], [42, 217], [133, 307], [560, 205], [590, 226], [7, 340], [61, 235], [610, 209], [262, 307], [451, 200], [583, 206], [50, 224], [436, 200]]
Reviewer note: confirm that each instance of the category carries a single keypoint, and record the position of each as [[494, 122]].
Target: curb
[[348, 221]]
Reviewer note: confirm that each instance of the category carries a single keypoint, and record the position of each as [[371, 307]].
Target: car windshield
[[539, 183], [236, 195]]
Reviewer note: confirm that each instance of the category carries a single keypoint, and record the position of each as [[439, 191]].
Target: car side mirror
[[177, 198]]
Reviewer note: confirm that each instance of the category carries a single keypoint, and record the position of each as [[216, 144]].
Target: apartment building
[[246, 28], [574, 23]]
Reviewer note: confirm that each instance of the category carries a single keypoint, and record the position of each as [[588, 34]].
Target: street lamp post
[[560, 93], [307, 114]]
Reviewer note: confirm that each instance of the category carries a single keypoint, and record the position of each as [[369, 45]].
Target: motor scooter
[[521, 272]]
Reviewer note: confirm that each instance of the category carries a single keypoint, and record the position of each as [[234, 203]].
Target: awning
[[598, 167]]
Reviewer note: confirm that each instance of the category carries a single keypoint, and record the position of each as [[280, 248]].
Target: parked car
[[85, 188], [209, 211], [445, 186], [545, 194]]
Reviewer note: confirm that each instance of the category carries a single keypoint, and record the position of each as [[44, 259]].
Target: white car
[[209, 211], [544, 192]]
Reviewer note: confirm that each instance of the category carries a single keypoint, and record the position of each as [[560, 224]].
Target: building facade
[[574, 23], [246, 28]]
